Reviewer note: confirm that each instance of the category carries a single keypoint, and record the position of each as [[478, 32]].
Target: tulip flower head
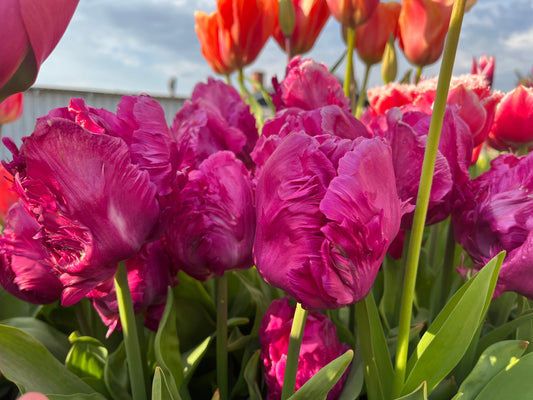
[[497, 214], [310, 16], [11, 109], [513, 122], [320, 345], [352, 13], [95, 200], [327, 210], [423, 27], [372, 36], [233, 36], [34, 28], [484, 66]]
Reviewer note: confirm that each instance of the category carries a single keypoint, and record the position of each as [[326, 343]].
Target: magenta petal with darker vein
[[101, 208], [26, 266]]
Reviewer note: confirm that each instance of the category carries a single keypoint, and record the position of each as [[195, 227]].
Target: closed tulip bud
[[485, 67], [389, 63], [286, 17]]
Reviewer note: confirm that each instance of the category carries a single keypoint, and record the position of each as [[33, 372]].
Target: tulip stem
[[288, 49], [129, 331], [222, 335], [418, 74], [293, 352], [447, 267], [362, 94], [428, 168], [350, 42]]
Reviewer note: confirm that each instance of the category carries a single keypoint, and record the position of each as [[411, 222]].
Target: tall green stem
[[447, 267], [350, 42], [293, 352], [240, 80], [288, 49], [222, 336], [428, 167], [129, 331], [362, 93], [418, 74]]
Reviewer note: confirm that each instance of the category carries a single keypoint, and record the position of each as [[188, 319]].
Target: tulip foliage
[[309, 249]]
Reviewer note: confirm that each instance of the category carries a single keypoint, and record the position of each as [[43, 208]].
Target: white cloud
[[521, 41]]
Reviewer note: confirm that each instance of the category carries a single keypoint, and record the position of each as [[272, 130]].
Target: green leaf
[[55, 341], [494, 359], [192, 358], [318, 387], [513, 382], [14, 307], [419, 393], [448, 338], [75, 396], [192, 289], [116, 376], [250, 376], [268, 99], [87, 358], [167, 347], [354, 383], [376, 358], [160, 388], [26, 362], [503, 331]]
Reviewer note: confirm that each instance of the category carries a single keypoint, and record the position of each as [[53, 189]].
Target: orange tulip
[[310, 18], [372, 36], [233, 36], [11, 108], [423, 27], [352, 13], [7, 195]]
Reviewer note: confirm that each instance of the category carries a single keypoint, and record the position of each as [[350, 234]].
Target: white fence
[[39, 101]]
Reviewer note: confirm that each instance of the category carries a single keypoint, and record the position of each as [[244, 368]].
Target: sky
[[137, 46]]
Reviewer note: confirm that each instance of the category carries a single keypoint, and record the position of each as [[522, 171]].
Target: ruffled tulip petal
[[98, 208]]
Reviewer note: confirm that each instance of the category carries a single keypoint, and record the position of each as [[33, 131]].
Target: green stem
[[428, 167], [81, 316], [228, 80], [288, 49], [129, 331], [293, 352], [362, 93], [240, 80], [447, 267], [350, 42], [222, 336], [418, 74]]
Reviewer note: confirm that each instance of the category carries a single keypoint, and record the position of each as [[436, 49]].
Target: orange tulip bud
[[352, 13], [372, 36], [423, 27], [11, 108], [310, 16], [233, 36]]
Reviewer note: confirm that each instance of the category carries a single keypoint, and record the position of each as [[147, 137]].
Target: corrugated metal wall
[[39, 101]]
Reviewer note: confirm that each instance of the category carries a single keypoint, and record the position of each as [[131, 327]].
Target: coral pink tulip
[[310, 18], [11, 108], [352, 13]]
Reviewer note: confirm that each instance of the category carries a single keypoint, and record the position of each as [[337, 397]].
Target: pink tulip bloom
[[95, 207], [34, 28], [308, 85], [26, 264], [215, 119], [320, 345], [497, 214], [485, 67], [11, 109], [513, 122], [327, 210], [212, 223]]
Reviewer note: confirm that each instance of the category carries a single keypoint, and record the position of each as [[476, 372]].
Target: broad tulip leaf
[[496, 358], [160, 388], [502, 332], [376, 358], [116, 375], [192, 358], [318, 387], [75, 396], [447, 339], [87, 358], [192, 289], [26, 362], [420, 393], [354, 383], [250, 376], [167, 347], [513, 382], [14, 307], [55, 341]]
